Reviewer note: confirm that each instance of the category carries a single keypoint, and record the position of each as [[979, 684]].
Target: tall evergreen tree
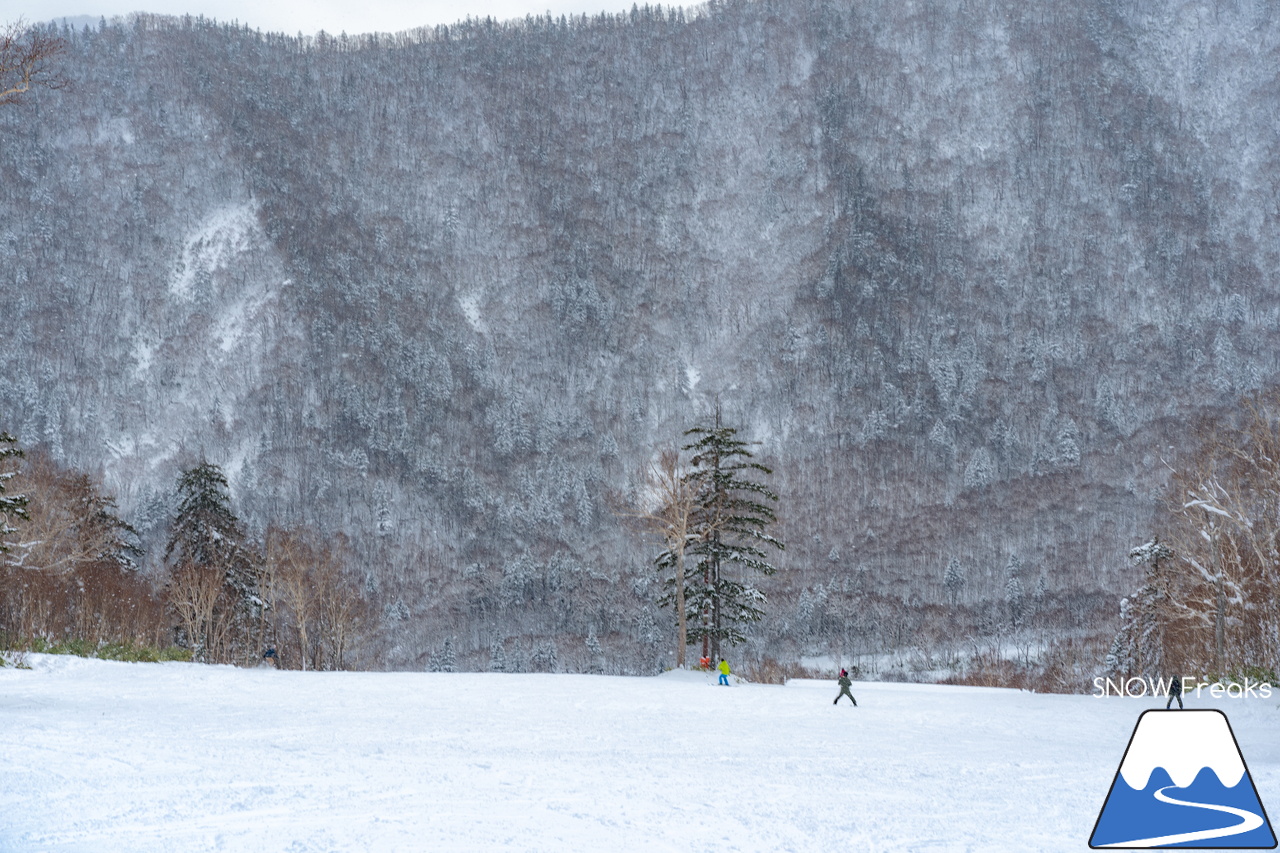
[[11, 506], [207, 533], [735, 510], [1146, 618], [73, 525], [115, 539], [208, 550]]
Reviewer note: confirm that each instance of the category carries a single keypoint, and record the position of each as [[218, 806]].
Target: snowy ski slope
[[101, 756]]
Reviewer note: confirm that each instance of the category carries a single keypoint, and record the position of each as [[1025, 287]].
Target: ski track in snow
[[102, 756]]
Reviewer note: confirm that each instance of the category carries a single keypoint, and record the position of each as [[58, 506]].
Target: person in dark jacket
[[845, 684], [1175, 692]]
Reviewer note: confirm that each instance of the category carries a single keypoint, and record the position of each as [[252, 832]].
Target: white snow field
[[99, 757]]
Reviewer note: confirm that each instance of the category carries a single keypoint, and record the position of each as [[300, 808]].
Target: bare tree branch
[[28, 59], [666, 504]]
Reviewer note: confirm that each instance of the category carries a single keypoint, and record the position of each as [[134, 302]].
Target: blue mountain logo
[[1183, 783]]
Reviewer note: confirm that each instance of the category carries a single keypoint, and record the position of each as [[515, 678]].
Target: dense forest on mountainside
[[967, 271]]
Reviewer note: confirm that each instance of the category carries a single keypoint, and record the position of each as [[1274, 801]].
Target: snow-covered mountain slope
[[969, 272], [141, 757]]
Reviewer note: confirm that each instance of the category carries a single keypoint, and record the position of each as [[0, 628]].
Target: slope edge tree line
[[1208, 598], [69, 573]]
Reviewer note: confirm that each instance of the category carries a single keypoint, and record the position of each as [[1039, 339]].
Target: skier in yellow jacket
[[724, 672]]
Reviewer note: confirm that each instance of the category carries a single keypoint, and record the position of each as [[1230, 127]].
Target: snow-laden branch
[[1204, 573], [1208, 507]]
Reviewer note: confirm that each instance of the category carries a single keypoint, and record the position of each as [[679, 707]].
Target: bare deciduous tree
[[666, 504], [69, 570], [198, 597], [314, 607], [1226, 509], [28, 59], [68, 523], [293, 597], [341, 610]]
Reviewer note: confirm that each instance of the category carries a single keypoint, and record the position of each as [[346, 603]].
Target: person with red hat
[[845, 684]]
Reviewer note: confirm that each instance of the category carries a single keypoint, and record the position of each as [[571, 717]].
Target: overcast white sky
[[308, 16]]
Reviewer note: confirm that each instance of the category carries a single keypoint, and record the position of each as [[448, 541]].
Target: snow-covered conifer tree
[[1041, 593], [953, 579], [1067, 447], [595, 664], [11, 506], [735, 512], [1145, 617], [1013, 593], [214, 582], [448, 657], [497, 657], [980, 471]]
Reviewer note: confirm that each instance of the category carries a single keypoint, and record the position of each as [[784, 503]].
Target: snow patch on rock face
[[197, 359], [226, 233], [116, 130], [470, 305], [144, 352], [692, 376], [235, 322]]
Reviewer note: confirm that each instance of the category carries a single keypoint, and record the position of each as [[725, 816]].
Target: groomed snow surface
[[101, 756]]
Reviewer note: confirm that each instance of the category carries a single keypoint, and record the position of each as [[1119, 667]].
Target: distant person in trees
[[845, 684], [1175, 692], [705, 663], [724, 672]]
